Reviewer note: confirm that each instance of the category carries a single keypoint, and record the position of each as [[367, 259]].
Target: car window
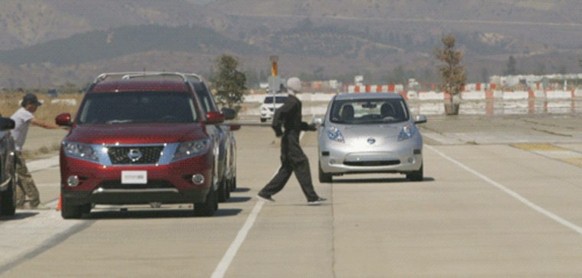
[[137, 107], [205, 97], [369, 111], [278, 99]]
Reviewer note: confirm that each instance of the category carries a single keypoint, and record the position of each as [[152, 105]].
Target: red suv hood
[[136, 133]]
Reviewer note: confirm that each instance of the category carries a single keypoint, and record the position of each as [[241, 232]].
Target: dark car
[[227, 149], [7, 168], [140, 138]]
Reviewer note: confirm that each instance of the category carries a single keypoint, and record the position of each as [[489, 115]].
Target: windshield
[[369, 111], [278, 99], [137, 107]]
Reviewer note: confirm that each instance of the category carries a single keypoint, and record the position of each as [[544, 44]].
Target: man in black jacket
[[293, 159]]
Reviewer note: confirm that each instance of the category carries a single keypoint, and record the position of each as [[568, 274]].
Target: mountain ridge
[[317, 39]]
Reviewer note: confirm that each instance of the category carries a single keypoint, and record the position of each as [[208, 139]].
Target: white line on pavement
[[513, 194], [235, 245], [226, 260]]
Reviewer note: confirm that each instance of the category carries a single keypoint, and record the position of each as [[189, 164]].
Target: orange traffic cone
[[60, 203]]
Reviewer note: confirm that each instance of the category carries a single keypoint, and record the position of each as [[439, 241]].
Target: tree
[[228, 82], [452, 73]]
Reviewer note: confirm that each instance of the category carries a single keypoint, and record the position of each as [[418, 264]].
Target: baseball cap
[[30, 99]]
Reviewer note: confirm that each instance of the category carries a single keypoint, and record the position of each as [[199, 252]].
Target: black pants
[[292, 160]]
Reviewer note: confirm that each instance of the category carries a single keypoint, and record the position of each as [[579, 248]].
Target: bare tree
[[452, 73]]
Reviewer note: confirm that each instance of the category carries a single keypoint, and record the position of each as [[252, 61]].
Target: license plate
[[139, 177]]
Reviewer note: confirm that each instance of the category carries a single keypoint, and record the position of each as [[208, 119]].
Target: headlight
[[406, 132], [191, 149], [334, 134], [81, 151]]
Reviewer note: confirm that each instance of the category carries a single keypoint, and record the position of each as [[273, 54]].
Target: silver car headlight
[[81, 151], [406, 132], [334, 134], [191, 149]]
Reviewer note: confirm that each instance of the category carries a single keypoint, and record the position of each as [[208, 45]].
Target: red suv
[[141, 138]]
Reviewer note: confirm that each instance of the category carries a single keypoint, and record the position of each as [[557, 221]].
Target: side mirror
[[64, 119], [229, 113], [317, 121], [420, 119], [6, 123], [214, 118]]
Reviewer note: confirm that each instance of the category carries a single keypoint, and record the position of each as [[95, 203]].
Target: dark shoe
[[265, 198], [316, 202]]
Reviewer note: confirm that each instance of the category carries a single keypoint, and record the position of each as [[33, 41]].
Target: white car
[[369, 133], [270, 104]]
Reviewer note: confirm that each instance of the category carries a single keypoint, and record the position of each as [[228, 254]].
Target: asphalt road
[[501, 197]]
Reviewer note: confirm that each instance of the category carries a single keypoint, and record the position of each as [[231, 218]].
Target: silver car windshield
[[137, 107], [369, 111]]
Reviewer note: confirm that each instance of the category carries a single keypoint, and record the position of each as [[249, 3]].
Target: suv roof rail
[[129, 75]]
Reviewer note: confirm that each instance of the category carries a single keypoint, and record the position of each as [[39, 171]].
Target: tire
[[416, 175], [7, 199], [223, 191], [208, 207], [324, 177], [233, 184], [72, 211], [263, 120]]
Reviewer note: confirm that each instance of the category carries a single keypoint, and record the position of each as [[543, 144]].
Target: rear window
[[278, 99], [137, 107], [369, 111]]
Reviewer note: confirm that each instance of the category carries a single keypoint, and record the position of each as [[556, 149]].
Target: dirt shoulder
[[42, 142]]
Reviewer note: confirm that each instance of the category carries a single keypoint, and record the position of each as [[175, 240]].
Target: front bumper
[[171, 183], [341, 160]]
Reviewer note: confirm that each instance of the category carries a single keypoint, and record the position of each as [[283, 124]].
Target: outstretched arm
[[43, 124]]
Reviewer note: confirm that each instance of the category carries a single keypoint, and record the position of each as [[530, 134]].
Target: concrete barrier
[[483, 102]]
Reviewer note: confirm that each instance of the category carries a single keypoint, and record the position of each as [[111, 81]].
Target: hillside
[[59, 41]]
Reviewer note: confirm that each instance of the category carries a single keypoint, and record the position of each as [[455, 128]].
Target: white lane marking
[[226, 260], [513, 194], [238, 241], [31, 232]]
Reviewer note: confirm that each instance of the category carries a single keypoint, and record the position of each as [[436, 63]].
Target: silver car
[[370, 133]]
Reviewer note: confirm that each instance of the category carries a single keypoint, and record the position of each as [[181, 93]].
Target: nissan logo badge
[[134, 155]]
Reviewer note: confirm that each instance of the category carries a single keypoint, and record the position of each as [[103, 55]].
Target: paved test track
[[497, 201]]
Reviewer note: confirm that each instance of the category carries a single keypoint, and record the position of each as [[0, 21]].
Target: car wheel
[[69, 211], [324, 177], [208, 207], [7, 199], [223, 191], [233, 184], [416, 175]]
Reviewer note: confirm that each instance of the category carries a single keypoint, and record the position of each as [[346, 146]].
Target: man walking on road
[[23, 117], [292, 157]]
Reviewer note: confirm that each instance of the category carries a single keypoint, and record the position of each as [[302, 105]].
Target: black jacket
[[289, 117]]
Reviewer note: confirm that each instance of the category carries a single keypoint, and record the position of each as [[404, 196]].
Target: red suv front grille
[[135, 154]]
